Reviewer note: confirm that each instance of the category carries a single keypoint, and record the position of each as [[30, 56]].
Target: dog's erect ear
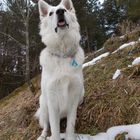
[[43, 8], [68, 4]]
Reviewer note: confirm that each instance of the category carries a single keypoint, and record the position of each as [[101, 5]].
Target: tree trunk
[[87, 35], [27, 71]]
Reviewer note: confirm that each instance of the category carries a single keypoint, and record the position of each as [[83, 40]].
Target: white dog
[[62, 79]]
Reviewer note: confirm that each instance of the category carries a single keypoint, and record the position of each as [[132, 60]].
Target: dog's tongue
[[62, 23]]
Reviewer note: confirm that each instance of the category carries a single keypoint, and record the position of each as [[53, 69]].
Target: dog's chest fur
[[61, 49], [55, 64]]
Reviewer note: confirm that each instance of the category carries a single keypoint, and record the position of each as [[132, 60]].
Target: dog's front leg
[[71, 117], [75, 93], [54, 115], [71, 123]]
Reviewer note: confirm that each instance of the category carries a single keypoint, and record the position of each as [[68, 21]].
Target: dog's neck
[[63, 52], [63, 55], [64, 47]]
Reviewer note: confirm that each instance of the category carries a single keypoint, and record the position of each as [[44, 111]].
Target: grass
[[17, 111], [108, 102], [114, 42]]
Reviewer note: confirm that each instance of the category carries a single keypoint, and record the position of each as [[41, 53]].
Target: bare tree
[[25, 11]]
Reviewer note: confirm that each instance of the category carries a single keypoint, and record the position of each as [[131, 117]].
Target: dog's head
[[57, 18]]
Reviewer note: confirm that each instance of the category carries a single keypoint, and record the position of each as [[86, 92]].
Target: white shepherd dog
[[62, 78]]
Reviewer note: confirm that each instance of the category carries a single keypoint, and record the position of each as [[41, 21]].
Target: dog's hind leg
[[43, 121], [43, 116], [44, 133]]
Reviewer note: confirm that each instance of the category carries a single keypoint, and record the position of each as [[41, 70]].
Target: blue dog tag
[[74, 63]]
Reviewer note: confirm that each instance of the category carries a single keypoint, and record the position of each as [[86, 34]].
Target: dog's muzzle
[[61, 22]]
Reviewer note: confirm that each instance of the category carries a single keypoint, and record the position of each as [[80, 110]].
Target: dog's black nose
[[60, 11]]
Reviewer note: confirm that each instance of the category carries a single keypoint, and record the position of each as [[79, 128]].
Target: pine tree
[[132, 9], [111, 14]]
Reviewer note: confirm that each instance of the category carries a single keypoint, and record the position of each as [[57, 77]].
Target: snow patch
[[78, 137], [136, 61], [122, 36], [100, 50], [129, 66], [116, 74], [93, 62], [132, 132], [100, 136], [125, 46]]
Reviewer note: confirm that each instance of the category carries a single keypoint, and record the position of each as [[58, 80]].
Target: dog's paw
[[42, 138]]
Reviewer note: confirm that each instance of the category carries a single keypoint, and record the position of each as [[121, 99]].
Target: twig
[[12, 38]]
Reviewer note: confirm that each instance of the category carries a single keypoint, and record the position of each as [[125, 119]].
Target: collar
[[73, 61], [63, 55]]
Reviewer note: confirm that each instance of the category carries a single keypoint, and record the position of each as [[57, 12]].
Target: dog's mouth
[[61, 23]]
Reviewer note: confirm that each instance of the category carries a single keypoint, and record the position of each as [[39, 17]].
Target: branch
[[12, 74], [22, 14], [28, 10], [6, 83], [32, 12], [6, 3], [11, 38], [18, 56]]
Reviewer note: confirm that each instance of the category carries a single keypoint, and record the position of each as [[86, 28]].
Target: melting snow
[[116, 74], [133, 132], [93, 62], [129, 66], [100, 49], [78, 137], [100, 136], [125, 46], [122, 36], [136, 61]]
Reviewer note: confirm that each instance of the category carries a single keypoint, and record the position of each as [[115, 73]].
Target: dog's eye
[[51, 13]]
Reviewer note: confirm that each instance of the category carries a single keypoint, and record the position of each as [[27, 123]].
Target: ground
[[106, 103]]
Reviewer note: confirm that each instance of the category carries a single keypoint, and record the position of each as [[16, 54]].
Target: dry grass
[[16, 113], [113, 43], [108, 102]]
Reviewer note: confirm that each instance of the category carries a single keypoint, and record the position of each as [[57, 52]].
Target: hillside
[[107, 102]]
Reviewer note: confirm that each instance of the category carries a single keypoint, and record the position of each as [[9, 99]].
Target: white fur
[[61, 83]]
